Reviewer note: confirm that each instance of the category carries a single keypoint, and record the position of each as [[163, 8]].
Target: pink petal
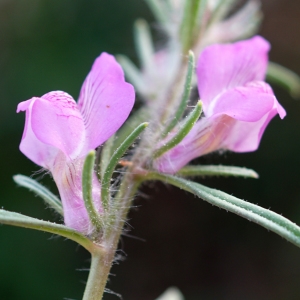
[[245, 103], [246, 136], [223, 67], [68, 178], [57, 122], [218, 132], [105, 100], [237, 104], [40, 153]]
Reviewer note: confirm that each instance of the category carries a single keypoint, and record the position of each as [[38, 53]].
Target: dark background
[[181, 240]]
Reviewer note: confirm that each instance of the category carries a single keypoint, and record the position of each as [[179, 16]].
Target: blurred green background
[[175, 239]]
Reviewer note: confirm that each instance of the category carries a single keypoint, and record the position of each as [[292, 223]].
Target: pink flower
[[59, 133], [237, 103]]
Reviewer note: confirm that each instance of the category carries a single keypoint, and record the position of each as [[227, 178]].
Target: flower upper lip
[[104, 104]]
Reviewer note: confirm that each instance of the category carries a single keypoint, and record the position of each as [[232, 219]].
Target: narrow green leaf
[[211, 170], [264, 217], [182, 132], [185, 96], [40, 190], [119, 152], [138, 117], [143, 43], [190, 24], [158, 11], [132, 73], [285, 78], [87, 187], [16, 219], [106, 154], [221, 10]]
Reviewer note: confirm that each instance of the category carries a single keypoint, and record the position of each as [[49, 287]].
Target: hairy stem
[[99, 271], [103, 255], [120, 205]]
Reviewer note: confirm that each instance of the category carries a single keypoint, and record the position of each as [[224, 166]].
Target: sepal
[[87, 190], [114, 160], [184, 129], [133, 122], [185, 96]]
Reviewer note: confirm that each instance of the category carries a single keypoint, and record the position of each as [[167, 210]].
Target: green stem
[[99, 271], [103, 256], [121, 205]]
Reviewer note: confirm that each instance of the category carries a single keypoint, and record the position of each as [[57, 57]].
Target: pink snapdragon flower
[[237, 103], [59, 133]]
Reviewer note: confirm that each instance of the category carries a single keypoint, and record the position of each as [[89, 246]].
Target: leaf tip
[[17, 178]]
